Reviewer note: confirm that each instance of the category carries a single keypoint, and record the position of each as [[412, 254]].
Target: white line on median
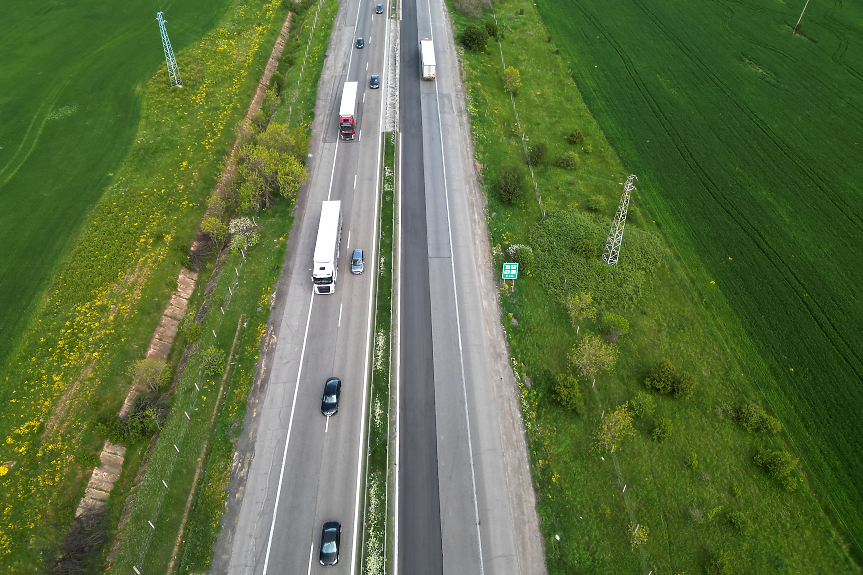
[[340, 315]]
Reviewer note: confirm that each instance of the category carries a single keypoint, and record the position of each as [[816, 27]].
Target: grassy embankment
[[751, 138], [376, 529], [71, 107], [685, 514], [99, 312]]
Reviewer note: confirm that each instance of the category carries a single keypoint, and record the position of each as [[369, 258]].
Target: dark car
[[331, 536], [330, 399], [357, 261], [360, 43], [379, 9], [374, 82]]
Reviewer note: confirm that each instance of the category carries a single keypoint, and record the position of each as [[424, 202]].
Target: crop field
[[70, 93], [748, 144]]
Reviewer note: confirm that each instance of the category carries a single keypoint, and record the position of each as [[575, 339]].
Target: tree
[[278, 82], [662, 431], [568, 394], [615, 427], [511, 79], [475, 38], [575, 137], [779, 465], [536, 153], [286, 140], [642, 404], [591, 356], [491, 28], [614, 326], [147, 373], [510, 184], [580, 306], [662, 377], [215, 229], [753, 418], [684, 385]]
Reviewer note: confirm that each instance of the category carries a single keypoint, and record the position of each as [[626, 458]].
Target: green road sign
[[510, 271]]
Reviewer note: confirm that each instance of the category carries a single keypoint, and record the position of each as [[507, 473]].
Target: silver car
[[357, 261]]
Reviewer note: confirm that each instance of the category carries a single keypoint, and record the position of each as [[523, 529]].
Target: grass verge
[[375, 531], [651, 506]]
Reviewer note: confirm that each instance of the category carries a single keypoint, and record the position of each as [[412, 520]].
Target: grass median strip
[[376, 528]]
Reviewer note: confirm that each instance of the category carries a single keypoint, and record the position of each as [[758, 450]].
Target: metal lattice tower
[[615, 236], [173, 70]]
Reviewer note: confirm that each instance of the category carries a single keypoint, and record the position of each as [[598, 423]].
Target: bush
[[568, 394], [214, 229], [575, 137], [614, 428], [684, 385], [193, 332], [277, 81], [147, 373], [491, 28], [475, 38], [587, 148], [595, 204], [510, 184], [643, 404], [719, 564], [522, 255], [753, 418], [691, 460], [780, 465], [536, 154], [512, 79], [662, 377], [662, 431], [567, 160], [213, 360], [586, 249], [741, 522], [614, 326]]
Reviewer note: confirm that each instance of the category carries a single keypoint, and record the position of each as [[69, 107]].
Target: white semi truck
[[427, 64], [326, 257], [348, 111]]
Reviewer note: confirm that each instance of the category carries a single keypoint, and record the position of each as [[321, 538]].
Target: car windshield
[[329, 547], [329, 399]]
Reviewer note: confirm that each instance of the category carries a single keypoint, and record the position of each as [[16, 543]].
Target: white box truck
[[427, 59], [348, 111], [326, 257]]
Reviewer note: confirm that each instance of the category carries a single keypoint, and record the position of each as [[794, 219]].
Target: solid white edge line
[[288, 439], [457, 317], [366, 382], [311, 554], [398, 371]]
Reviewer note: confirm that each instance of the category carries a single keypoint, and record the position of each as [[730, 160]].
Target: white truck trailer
[[427, 64], [326, 257], [348, 111]]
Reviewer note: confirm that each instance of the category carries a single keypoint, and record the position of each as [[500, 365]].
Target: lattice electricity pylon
[[173, 70], [615, 236]]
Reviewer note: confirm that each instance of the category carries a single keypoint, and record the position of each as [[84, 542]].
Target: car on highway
[[357, 262], [330, 399], [379, 9], [331, 535], [374, 82], [360, 43]]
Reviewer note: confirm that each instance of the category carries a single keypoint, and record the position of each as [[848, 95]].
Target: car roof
[[358, 252]]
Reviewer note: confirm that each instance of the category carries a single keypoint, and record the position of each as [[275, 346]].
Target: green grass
[[101, 307], [747, 141], [72, 84], [375, 530], [580, 495]]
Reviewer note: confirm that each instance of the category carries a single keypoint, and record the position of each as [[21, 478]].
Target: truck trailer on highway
[[348, 111], [427, 64], [326, 258]]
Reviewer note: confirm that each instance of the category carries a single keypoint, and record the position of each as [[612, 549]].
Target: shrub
[[193, 332], [662, 377], [643, 404], [692, 460], [277, 81], [491, 28], [585, 248], [615, 427], [512, 79], [475, 38], [779, 465], [719, 564], [510, 184], [244, 234], [575, 137], [753, 418], [147, 373], [536, 154], [614, 326], [567, 160], [214, 229], [662, 431], [596, 203], [522, 255], [741, 522], [696, 515], [684, 385], [568, 394], [89, 460], [213, 360], [587, 148]]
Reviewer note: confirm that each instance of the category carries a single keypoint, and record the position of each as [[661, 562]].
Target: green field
[[70, 96], [748, 144]]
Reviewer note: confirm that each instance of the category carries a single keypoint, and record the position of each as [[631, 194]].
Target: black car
[[379, 9], [331, 536], [360, 43], [374, 82], [330, 399]]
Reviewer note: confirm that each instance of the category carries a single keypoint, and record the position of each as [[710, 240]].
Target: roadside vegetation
[[66, 380], [650, 444]]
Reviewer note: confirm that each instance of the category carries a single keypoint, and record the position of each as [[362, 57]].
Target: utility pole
[[615, 236], [794, 31], [173, 70]]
